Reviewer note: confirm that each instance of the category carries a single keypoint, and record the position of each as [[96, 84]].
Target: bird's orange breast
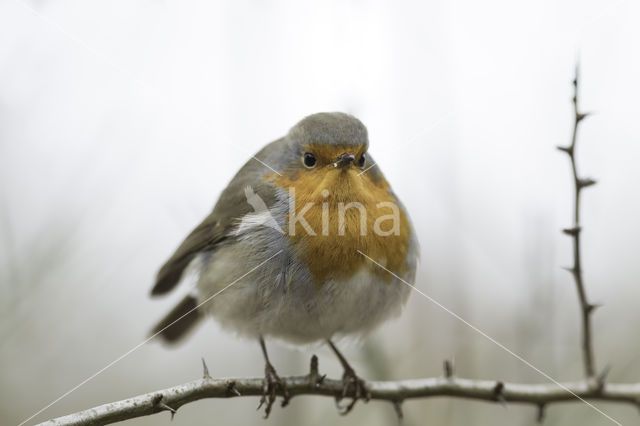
[[334, 212]]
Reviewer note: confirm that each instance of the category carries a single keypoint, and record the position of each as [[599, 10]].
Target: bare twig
[[586, 308], [391, 391]]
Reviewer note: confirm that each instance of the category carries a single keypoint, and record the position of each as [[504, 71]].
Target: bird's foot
[[270, 386], [353, 386]]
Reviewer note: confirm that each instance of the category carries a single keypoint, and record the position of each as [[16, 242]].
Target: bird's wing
[[202, 239], [215, 228]]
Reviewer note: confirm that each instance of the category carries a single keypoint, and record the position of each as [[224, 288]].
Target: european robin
[[286, 242]]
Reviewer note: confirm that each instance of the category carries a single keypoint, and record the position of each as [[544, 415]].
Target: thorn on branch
[[592, 307], [498, 394], [583, 183], [156, 399], [449, 368], [572, 231], [570, 269], [205, 370], [320, 380], [313, 368], [542, 411], [157, 402], [231, 388], [602, 378], [397, 406], [314, 374], [567, 149], [582, 116], [166, 407]]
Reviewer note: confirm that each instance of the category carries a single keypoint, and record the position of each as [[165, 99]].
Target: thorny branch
[[593, 387], [395, 392], [586, 308]]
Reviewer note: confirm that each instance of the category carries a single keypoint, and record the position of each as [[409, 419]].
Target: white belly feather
[[290, 306]]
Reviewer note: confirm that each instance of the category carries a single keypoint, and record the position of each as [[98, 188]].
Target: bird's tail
[[180, 321]]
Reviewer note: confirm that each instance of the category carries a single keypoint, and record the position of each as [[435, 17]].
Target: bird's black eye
[[361, 160], [309, 159]]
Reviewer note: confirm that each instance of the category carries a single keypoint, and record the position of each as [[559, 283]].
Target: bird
[[308, 243]]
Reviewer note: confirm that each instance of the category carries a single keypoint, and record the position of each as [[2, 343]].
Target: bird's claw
[[270, 386], [354, 386]]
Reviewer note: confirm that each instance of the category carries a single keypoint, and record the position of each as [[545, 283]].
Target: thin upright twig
[[586, 308]]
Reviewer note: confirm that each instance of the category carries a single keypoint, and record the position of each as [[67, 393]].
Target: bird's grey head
[[329, 128], [326, 139]]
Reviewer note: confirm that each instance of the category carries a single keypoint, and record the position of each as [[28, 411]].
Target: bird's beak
[[343, 160]]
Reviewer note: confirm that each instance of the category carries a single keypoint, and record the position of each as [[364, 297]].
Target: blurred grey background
[[121, 122]]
